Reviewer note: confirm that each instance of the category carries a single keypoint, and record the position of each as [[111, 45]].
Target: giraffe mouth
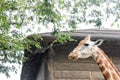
[[73, 56]]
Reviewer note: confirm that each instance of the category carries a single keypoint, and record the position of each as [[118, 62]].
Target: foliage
[[16, 15]]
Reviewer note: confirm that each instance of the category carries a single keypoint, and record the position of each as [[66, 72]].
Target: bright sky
[[14, 76]]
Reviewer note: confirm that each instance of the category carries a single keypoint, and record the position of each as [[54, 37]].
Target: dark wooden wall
[[83, 69]]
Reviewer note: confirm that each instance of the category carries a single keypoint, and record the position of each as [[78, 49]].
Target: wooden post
[[41, 71], [41, 74], [46, 71], [49, 65]]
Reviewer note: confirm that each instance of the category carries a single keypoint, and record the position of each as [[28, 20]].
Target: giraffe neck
[[110, 72]]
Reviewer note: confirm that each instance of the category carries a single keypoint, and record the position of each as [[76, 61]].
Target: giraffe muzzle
[[73, 56]]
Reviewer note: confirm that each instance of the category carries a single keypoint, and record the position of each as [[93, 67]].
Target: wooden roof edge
[[107, 35]]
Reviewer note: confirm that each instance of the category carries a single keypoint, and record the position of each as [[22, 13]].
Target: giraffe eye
[[86, 44]]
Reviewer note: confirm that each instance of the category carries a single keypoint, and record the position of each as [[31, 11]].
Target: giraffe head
[[85, 48]]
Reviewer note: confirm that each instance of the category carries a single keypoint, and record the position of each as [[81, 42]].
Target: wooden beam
[[50, 66]]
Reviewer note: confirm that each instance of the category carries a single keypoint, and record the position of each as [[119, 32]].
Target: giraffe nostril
[[72, 57]]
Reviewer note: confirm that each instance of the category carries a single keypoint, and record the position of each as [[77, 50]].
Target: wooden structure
[[51, 63]]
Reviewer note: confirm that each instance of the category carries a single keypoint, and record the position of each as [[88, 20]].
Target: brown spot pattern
[[110, 72], [107, 75], [115, 77], [102, 67]]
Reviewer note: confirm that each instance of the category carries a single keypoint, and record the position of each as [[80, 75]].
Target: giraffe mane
[[102, 52]]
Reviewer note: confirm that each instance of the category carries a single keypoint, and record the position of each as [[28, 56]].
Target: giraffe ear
[[99, 42]]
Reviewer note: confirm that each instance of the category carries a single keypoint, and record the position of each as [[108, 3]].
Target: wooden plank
[[72, 75], [79, 66], [94, 75], [76, 66], [72, 79], [118, 66]]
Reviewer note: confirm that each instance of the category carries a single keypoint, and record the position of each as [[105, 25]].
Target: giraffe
[[87, 48]]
